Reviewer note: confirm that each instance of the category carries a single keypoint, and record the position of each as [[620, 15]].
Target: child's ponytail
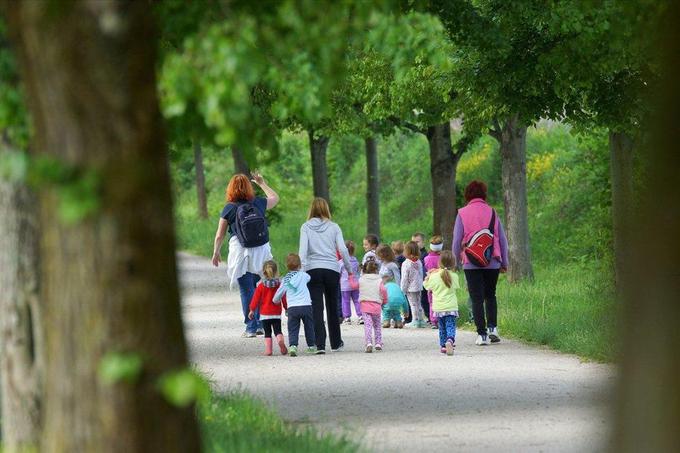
[[447, 263]]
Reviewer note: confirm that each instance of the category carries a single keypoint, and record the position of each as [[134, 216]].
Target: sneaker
[[311, 350], [347, 321], [247, 334], [398, 325], [339, 348], [386, 324], [369, 347], [259, 332], [292, 351], [482, 340], [361, 320], [320, 351], [449, 347], [434, 326], [378, 347], [493, 335], [442, 350]]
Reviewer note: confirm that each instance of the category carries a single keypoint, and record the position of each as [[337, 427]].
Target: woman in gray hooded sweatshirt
[[320, 239]]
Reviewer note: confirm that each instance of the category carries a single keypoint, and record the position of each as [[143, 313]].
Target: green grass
[[567, 307], [239, 423]]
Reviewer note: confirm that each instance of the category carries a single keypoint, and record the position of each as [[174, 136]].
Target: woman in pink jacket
[[481, 280]]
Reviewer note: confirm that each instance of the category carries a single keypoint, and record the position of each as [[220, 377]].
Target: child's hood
[[295, 280], [370, 278], [318, 225]]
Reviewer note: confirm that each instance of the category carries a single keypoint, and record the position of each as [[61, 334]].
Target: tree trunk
[[443, 167], [621, 154], [648, 398], [318, 147], [240, 163], [21, 339], [200, 182], [373, 188], [109, 280], [512, 139]]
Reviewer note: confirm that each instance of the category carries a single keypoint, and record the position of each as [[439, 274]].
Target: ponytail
[[447, 263]]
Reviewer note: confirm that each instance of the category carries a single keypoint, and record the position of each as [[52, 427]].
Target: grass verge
[[238, 422]]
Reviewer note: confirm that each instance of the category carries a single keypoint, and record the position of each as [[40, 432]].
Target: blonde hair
[[270, 269], [446, 263], [293, 262], [411, 250], [436, 239], [385, 253], [320, 209], [398, 247]]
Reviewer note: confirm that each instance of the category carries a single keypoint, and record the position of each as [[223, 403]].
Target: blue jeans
[[447, 329], [246, 286]]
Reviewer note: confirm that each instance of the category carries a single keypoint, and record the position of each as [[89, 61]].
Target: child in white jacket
[[412, 281]]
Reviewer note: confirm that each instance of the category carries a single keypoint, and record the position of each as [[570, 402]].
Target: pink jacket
[[431, 261], [476, 216]]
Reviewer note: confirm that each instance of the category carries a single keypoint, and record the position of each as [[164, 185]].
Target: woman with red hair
[[244, 264], [474, 221]]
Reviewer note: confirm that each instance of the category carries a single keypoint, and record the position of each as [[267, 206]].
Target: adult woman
[[244, 264], [320, 238], [481, 281]]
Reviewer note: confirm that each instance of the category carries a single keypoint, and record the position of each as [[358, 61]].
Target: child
[[396, 305], [270, 311], [349, 294], [294, 287], [388, 268], [370, 244], [399, 258], [398, 249], [412, 282], [443, 283], [373, 296], [431, 261]]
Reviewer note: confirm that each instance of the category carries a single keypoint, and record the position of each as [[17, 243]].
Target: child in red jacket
[[270, 311]]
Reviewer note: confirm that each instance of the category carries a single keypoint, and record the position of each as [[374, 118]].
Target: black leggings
[[269, 324], [481, 285], [324, 289]]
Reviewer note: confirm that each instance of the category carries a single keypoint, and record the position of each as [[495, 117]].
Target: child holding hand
[[270, 311], [348, 293], [412, 282], [431, 261], [443, 282], [372, 296], [294, 288]]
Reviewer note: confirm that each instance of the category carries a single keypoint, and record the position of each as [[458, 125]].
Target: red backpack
[[479, 249]]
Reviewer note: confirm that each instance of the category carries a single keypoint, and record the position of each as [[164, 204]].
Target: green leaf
[[117, 367], [183, 387]]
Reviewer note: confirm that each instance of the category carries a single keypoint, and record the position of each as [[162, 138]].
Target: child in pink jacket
[[372, 296]]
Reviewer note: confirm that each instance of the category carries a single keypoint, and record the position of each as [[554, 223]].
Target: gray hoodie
[[319, 239]]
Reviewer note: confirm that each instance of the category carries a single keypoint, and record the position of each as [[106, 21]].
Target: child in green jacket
[[443, 282]]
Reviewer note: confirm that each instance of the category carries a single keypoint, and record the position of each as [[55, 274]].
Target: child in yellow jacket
[[443, 282]]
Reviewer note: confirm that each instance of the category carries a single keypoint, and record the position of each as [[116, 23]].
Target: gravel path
[[500, 398]]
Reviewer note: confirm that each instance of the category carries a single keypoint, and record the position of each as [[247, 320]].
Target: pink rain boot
[[267, 346], [282, 344]]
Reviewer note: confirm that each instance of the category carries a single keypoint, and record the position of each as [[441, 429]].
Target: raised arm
[[281, 292], [272, 197], [220, 234]]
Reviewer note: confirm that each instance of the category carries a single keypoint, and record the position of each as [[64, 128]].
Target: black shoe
[[339, 348]]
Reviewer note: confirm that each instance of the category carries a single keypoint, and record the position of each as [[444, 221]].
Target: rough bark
[[200, 182], [109, 281], [621, 166], [647, 411], [240, 162], [512, 140], [443, 167], [21, 339], [318, 146], [373, 188]]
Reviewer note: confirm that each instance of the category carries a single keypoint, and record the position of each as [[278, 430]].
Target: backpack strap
[[492, 224]]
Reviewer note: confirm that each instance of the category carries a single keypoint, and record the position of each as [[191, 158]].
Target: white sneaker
[[482, 340], [493, 335], [369, 347]]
